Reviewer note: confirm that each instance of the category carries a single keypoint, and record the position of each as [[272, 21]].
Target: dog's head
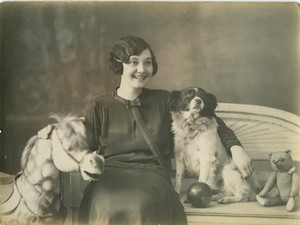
[[194, 100]]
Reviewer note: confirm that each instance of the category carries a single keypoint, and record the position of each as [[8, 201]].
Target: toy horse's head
[[70, 150]]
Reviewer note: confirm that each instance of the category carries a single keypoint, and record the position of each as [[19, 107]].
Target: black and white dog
[[199, 150]]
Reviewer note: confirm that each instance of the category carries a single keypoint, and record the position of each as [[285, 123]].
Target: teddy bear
[[284, 179]]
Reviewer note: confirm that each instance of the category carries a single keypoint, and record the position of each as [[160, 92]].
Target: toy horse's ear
[[82, 118], [270, 155], [288, 151], [173, 101]]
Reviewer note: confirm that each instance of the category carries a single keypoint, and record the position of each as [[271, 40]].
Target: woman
[[135, 189]]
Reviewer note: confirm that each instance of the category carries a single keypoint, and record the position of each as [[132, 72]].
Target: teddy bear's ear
[[270, 155], [288, 151]]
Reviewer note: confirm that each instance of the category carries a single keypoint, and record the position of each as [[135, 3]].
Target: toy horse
[[35, 194]]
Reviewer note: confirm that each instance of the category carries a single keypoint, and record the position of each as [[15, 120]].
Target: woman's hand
[[46, 131], [242, 161]]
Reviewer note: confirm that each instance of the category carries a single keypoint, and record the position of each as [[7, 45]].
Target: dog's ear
[[210, 104], [212, 101], [174, 99]]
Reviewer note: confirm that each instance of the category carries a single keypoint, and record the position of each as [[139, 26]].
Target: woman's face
[[139, 70]]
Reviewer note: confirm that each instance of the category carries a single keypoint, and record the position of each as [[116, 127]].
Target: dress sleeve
[[92, 125], [226, 135]]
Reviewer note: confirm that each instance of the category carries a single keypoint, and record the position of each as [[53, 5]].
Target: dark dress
[[134, 189]]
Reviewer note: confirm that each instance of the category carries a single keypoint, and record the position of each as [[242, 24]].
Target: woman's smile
[[140, 76]]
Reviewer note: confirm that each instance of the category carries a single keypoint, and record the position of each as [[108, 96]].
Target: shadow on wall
[[54, 56]]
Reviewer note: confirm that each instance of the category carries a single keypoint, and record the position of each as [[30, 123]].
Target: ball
[[199, 195]]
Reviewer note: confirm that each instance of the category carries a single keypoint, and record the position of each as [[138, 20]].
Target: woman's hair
[[126, 47]]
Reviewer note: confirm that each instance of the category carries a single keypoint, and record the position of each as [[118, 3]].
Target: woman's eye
[[148, 63], [134, 63]]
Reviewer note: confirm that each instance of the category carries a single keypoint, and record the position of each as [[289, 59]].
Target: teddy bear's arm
[[269, 184], [295, 185]]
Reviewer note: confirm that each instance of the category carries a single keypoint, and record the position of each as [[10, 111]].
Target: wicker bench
[[261, 130]]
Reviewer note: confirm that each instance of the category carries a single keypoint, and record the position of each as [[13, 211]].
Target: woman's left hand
[[242, 161]]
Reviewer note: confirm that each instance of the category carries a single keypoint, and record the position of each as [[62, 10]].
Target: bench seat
[[241, 213]]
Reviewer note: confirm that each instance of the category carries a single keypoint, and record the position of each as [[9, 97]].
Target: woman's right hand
[[46, 131]]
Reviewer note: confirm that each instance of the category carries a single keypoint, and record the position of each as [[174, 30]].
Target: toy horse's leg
[[269, 201]]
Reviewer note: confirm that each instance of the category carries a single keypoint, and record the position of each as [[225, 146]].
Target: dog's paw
[[223, 201], [216, 197]]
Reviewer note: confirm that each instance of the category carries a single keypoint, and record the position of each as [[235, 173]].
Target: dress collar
[[128, 103]]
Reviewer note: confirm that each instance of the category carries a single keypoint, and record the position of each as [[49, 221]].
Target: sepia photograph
[[149, 113]]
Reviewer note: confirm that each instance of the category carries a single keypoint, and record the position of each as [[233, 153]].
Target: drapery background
[[53, 56]]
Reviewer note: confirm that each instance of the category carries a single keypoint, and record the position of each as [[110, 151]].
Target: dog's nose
[[198, 101]]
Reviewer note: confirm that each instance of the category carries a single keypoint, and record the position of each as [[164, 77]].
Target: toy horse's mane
[[27, 151], [74, 130]]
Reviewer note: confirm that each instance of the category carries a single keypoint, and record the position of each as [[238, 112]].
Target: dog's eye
[[190, 94]]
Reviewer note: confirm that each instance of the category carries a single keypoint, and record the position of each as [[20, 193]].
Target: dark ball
[[199, 195]]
